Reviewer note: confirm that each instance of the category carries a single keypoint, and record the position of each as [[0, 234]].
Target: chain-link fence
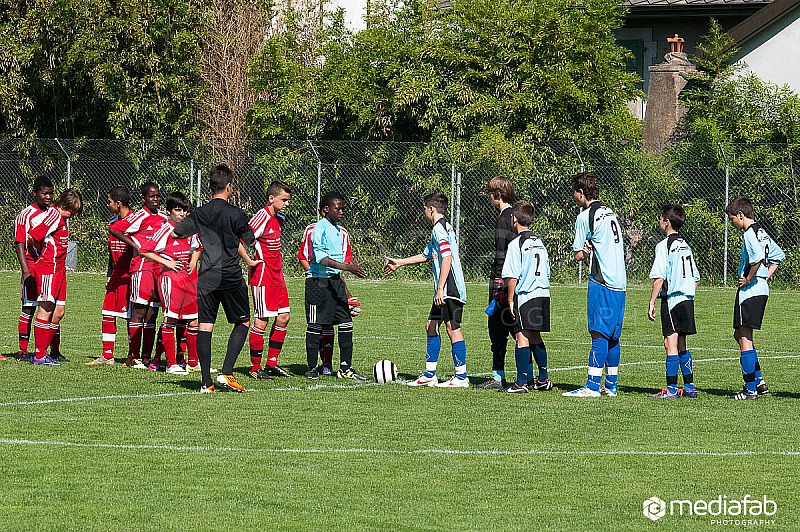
[[385, 181]]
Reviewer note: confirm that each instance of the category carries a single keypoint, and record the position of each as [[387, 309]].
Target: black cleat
[[277, 371], [59, 358], [514, 388], [540, 386], [491, 384], [761, 388], [312, 374], [260, 374], [744, 395]]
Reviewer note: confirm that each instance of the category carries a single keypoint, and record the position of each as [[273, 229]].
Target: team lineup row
[[186, 262]]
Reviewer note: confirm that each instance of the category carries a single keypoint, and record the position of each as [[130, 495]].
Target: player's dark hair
[[501, 186], [586, 182], [276, 187], [70, 200], [524, 211], [437, 200], [219, 177], [178, 200], [147, 186], [121, 194], [42, 182], [740, 204], [675, 215], [328, 199]]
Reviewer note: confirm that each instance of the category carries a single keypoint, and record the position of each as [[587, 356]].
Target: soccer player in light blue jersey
[[675, 277], [598, 237], [526, 272], [450, 294], [759, 260]]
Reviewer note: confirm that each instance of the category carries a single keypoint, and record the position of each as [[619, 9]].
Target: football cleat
[[540, 386], [325, 369], [350, 373], [176, 369], [46, 360], [514, 388], [744, 395], [610, 391], [492, 384], [761, 388], [58, 357], [260, 374], [691, 394], [583, 391], [665, 394], [231, 382], [23, 356], [155, 365], [312, 374], [208, 389], [2, 357], [100, 361], [135, 363], [277, 371], [422, 380], [455, 382]]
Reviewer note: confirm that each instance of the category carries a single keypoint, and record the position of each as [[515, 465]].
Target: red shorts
[[143, 288], [29, 292], [118, 293], [53, 287], [269, 301], [179, 295]]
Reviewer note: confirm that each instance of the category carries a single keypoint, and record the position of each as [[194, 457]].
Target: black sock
[[235, 344], [346, 345], [313, 335], [204, 356]]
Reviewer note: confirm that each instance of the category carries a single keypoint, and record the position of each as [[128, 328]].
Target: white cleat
[[422, 380], [582, 392], [175, 369], [455, 382]]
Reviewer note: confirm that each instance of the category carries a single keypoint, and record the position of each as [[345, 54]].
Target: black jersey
[[503, 235]]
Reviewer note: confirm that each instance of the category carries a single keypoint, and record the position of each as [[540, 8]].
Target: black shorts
[[533, 315], [451, 312], [750, 312], [234, 299], [326, 301], [680, 320]]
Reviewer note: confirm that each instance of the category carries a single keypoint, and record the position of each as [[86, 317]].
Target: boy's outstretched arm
[[392, 265], [355, 268], [651, 308], [447, 263], [125, 238]]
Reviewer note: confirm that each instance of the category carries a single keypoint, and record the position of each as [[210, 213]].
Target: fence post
[[69, 163], [583, 169], [452, 178], [191, 174], [725, 216], [458, 209], [319, 179]]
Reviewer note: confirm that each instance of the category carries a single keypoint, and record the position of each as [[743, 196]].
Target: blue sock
[[540, 354], [522, 355], [759, 375], [687, 370], [529, 366], [460, 359], [673, 364], [432, 355], [612, 362], [748, 360], [499, 375], [597, 359]]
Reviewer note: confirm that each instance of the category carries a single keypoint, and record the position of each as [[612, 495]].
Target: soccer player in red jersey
[[50, 236], [177, 281], [116, 303], [267, 284], [26, 255], [144, 292]]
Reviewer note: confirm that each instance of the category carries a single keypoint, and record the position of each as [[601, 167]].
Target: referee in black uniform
[[221, 227]]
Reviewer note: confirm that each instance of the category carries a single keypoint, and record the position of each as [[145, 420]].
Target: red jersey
[[306, 249], [51, 228], [144, 225], [267, 230], [22, 228], [177, 249], [120, 253]]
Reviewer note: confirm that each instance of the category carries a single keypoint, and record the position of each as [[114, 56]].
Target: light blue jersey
[[443, 244], [675, 264], [758, 251], [607, 261], [327, 241], [527, 261]]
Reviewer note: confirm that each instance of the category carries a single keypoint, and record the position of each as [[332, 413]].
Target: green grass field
[[111, 448]]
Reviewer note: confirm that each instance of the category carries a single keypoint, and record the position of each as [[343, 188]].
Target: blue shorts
[[605, 310]]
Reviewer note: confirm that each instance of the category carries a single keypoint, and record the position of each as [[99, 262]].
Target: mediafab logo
[[745, 508]]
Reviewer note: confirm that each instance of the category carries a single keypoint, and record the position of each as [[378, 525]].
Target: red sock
[[148, 341], [24, 329], [168, 341], [134, 339], [326, 345], [180, 339], [191, 346], [276, 337], [109, 329], [256, 347], [55, 340], [42, 336]]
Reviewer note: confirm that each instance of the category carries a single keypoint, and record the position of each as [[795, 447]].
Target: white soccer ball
[[384, 371]]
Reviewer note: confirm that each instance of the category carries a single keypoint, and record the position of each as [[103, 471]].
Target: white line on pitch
[[472, 452]]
